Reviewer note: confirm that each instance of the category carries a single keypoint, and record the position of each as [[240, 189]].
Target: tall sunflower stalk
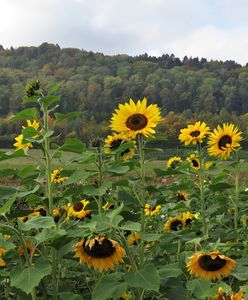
[[237, 191], [137, 120], [202, 197]]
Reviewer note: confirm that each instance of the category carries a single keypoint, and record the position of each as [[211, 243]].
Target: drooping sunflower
[[173, 223], [174, 161], [230, 296], [29, 246], [113, 142], [100, 252], [19, 143], [194, 133], [188, 218], [194, 161], [2, 262], [133, 119], [149, 211], [210, 265], [107, 205], [133, 238], [39, 211], [182, 195], [222, 141], [78, 209], [55, 176]]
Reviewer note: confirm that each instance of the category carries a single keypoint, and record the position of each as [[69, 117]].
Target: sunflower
[[30, 249], [194, 133], [78, 209], [2, 262], [149, 211], [113, 142], [34, 125], [188, 218], [19, 143], [174, 161], [209, 164], [58, 213], [107, 205], [133, 238], [231, 296], [126, 296], [133, 119], [100, 253], [173, 223], [222, 141], [194, 161], [182, 195], [55, 176], [39, 211], [210, 265]]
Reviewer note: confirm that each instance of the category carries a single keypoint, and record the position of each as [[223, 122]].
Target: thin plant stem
[[202, 197], [142, 194], [48, 161], [237, 191]]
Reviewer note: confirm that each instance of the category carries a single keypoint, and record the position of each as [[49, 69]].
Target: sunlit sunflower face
[[20, 145], [230, 296], [100, 253], [188, 218], [56, 178], [133, 238], [173, 224], [133, 119], [194, 133], [194, 162], [222, 141], [152, 211], [210, 265], [173, 162], [78, 209], [113, 142]]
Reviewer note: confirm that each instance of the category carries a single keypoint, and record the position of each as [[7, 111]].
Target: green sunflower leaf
[[170, 270], [146, 278], [25, 114], [37, 222], [220, 186], [28, 278], [202, 289], [7, 206], [11, 154], [73, 145], [109, 287]]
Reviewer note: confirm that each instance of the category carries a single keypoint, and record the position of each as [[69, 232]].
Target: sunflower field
[[118, 230]]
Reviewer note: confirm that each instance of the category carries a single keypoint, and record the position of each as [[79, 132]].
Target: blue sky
[[204, 28]]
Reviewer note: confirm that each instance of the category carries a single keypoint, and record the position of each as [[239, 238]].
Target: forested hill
[[97, 82]]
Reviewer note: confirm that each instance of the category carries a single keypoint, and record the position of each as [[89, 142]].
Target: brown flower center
[[195, 133], [78, 206], [136, 122], [180, 196], [175, 225], [208, 264], [100, 250], [195, 163], [42, 212], [224, 140], [115, 144]]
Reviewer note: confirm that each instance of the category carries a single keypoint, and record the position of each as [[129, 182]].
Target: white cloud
[[213, 43], [183, 27]]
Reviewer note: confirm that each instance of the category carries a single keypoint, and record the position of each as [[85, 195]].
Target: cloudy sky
[[214, 29]]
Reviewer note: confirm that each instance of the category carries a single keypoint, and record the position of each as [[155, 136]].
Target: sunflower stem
[[202, 198], [237, 191], [100, 175], [55, 281], [142, 194], [48, 160]]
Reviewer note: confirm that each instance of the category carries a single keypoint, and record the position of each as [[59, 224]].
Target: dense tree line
[[96, 83]]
